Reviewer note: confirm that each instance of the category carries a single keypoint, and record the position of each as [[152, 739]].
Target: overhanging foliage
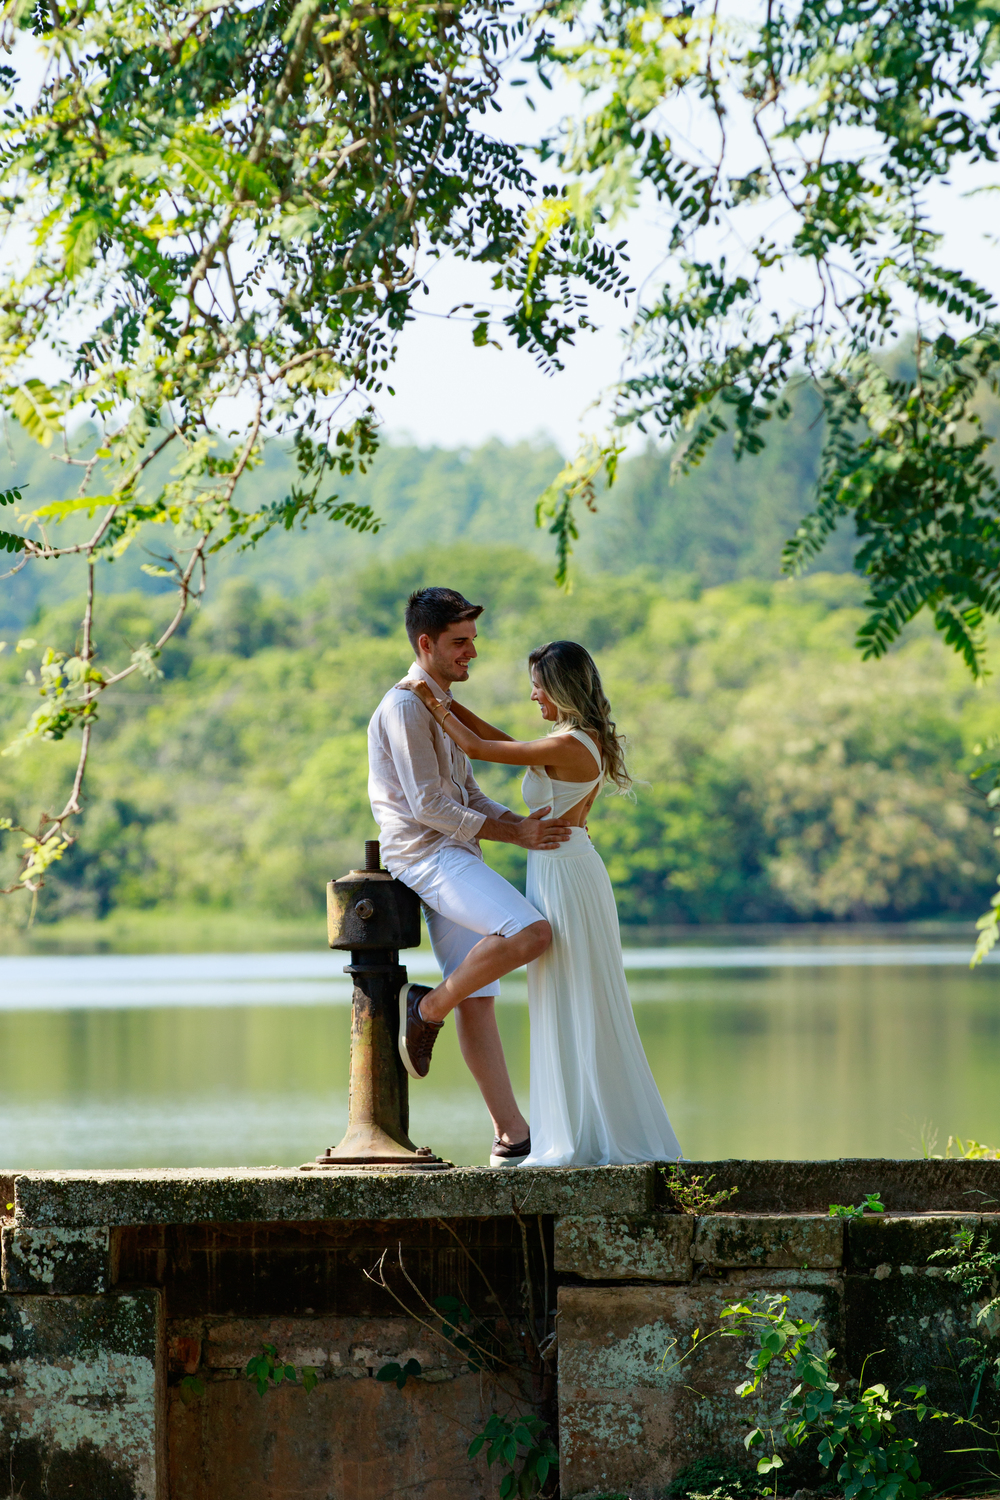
[[796, 214], [229, 208]]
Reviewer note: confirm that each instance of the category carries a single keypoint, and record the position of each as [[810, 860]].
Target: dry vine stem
[[377, 1277]]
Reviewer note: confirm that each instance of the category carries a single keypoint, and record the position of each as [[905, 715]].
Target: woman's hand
[[425, 694], [421, 690]]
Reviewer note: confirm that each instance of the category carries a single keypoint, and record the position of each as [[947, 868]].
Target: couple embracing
[[593, 1098]]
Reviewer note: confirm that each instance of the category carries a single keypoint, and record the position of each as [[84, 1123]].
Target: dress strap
[[582, 735]]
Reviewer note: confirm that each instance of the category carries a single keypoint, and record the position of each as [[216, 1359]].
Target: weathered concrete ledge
[[132, 1300], [245, 1195], [256, 1195], [809, 1187]]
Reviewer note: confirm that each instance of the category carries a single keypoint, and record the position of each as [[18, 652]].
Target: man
[[431, 816]]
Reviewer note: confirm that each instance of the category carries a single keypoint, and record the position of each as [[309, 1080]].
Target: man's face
[[447, 659]]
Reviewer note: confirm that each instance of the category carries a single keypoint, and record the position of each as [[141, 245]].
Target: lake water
[[838, 1048]]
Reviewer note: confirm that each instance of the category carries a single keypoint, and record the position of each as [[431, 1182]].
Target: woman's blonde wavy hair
[[569, 676]]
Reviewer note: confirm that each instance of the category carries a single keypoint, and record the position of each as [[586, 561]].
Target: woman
[[593, 1098]]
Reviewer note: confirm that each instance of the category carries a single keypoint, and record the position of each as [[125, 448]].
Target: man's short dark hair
[[431, 611]]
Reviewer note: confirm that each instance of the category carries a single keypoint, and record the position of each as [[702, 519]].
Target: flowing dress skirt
[[593, 1098]]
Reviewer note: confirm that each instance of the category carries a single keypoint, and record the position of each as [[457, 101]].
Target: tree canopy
[[819, 132], [229, 208]]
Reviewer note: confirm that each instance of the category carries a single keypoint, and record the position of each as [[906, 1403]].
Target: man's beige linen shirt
[[422, 790]]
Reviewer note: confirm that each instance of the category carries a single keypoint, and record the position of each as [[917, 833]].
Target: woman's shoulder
[[570, 739], [574, 734], [587, 737]]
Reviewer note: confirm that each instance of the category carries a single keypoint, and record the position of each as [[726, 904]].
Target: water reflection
[[789, 1061]]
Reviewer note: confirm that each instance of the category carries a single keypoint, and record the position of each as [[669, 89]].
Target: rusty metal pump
[[374, 916]]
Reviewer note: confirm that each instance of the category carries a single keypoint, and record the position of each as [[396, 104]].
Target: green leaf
[[57, 510], [37, 410], [81, 236], [10, 542], [205, 162]]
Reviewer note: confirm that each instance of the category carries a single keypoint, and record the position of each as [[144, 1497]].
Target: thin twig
[[489, 1286], [545, 1263], [380, 1281], [486, 1353], [529, 1286]]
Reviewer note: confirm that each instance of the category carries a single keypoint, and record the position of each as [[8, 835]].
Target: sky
[[450, 393]]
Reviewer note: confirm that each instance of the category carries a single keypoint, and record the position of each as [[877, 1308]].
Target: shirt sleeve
[[479, 800], [416, 763]]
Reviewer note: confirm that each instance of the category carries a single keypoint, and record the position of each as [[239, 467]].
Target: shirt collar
[[441, 694]]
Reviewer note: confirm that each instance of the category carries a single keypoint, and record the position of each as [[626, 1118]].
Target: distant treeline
[[725, 520], [777, 776]]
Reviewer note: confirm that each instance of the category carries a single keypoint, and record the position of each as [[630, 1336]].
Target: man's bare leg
[[479, 1039], [490, 959]]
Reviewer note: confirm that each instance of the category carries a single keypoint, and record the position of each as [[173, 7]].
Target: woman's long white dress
[[593, 1098]]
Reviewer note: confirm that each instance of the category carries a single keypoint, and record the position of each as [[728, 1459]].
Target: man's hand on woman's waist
[[532, 832]]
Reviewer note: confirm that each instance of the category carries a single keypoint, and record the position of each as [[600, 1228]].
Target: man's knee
[[537, 938]]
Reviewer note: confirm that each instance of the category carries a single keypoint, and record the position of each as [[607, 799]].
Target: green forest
[[724, 520], [778, 777]]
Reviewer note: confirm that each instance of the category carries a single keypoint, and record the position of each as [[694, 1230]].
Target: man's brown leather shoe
[[416, 1036]]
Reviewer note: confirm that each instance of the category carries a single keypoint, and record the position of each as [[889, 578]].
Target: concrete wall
[[132, 1301]]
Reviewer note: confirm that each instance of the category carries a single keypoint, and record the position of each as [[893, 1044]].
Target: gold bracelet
[[442, 718]]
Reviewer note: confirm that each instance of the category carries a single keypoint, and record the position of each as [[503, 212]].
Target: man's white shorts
[[464, 900]]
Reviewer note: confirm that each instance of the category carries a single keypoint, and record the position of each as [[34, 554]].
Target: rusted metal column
[[374, 916]]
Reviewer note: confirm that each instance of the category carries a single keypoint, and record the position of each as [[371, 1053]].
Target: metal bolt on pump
[[374, 916]]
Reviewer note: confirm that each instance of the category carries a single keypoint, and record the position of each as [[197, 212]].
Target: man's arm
[[407, 726], [532, 832], [407, 730]]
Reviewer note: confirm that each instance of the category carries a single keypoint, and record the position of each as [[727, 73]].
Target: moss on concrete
[[651, 1247], [878, 1240], [781, 1240], [794, 1187], [172, 1196], [80, 1395], [55, 1328], [59, 1262]]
